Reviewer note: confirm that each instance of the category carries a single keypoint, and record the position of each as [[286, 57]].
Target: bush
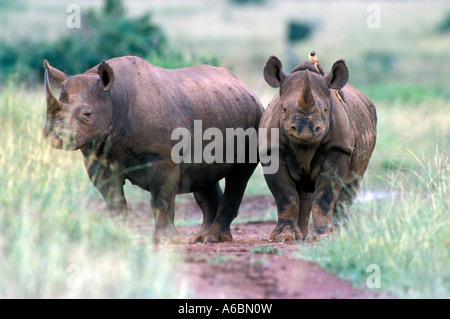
[[298, 31], [445, 25], [103, 35]]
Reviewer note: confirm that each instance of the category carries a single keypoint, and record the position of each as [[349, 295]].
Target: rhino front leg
[[109, 182], [163, 206], [165, 181], [288, 203], [329, 185]]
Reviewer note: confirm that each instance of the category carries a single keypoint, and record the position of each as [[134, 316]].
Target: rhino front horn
[[53, 105], [306, 100]]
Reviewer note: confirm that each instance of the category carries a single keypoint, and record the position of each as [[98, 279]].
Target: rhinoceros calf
[[327, 132], [121, 114]]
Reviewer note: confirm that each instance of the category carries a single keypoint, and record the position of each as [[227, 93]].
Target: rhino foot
[[211, 235], [166, 235], [286, 232], [322, 231], [118, 215]]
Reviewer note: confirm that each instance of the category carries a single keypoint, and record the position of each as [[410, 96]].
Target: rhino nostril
[[293, 128], [317, 130]]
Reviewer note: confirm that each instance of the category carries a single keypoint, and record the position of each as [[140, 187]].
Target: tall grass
[[402, 128], [407, 236], [52, 242]]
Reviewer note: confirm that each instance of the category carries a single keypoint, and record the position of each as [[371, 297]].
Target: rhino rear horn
[[106, 74]]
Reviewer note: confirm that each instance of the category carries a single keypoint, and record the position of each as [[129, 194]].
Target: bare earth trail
[[250, 267]]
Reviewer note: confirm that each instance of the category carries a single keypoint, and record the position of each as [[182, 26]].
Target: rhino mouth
[[62, 144], [305, 138], [304, 142], [61, 141]]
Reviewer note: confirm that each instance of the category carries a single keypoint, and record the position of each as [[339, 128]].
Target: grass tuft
[[407, 236]]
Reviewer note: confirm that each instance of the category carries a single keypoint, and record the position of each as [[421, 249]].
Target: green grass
[[405, 94], [414, 125], [269, 250], [407, 236], [220, 259], [52, 243]]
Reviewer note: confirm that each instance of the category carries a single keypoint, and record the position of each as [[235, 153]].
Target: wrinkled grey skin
[[324, 147], [121, 114]]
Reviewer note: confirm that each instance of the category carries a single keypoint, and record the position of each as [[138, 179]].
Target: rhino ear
[[338, 76], [106, 74], [56, 76], [273, 72]]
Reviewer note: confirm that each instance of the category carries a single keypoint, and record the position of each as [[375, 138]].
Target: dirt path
[[250, 267]]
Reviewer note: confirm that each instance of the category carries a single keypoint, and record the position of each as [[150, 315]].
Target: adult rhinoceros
[[121, 114], [327, 132]]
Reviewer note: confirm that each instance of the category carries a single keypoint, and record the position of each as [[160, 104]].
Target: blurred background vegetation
[[409, 48], [104, 33], [50, 218]]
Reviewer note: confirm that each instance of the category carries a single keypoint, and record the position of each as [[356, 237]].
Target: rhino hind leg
[[235, 184], [344, 202], [208, 199], [329, 185]]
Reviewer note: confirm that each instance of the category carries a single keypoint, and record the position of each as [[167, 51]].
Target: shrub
[[377, 65], [445, 25], [298, 31]]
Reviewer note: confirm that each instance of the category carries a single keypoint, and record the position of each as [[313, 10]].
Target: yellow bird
[[313, 58]]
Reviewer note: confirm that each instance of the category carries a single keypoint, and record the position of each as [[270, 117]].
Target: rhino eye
[[86, 114], [284, 110]]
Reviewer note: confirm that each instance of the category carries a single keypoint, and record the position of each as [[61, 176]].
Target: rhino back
[[158, 100]]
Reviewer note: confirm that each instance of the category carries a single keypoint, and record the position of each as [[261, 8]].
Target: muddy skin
[[121, 113], [327, 135]]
